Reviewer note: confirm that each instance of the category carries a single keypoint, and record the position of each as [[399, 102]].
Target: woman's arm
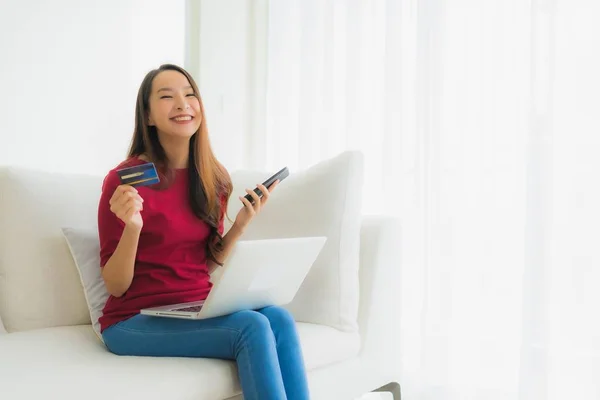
[[119, 227], [229, 241], [245, 215], [118, 271]]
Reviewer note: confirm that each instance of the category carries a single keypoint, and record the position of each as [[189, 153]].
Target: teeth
[[188, 118]]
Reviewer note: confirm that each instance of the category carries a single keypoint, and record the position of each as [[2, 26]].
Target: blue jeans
[[264, 344]]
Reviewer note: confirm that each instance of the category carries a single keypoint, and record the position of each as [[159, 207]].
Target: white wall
[[69, 75], [229, 62], [71, 69]]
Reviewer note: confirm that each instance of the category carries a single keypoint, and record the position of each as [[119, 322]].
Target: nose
[[182, 104]]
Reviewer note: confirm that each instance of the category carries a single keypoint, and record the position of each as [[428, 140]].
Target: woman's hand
[[249, 211], [243, 218], [126, 204]]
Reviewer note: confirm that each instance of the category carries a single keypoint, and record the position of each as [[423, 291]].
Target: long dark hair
[[209, 182]]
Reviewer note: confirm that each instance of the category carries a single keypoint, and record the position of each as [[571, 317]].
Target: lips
[[182, 118]]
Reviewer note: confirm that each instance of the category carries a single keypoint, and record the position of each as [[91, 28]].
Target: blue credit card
[[140, 175]]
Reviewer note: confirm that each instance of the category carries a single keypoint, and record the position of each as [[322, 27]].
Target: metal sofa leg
[[392, 387]]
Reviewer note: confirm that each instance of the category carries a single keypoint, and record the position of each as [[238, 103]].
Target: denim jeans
[[264, 344]]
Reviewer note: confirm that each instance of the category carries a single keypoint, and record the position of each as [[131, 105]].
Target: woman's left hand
[[250, 210]]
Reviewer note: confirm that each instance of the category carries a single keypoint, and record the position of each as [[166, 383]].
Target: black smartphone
[[279, 175]]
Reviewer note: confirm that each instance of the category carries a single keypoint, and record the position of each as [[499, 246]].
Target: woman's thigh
[[219, 337]]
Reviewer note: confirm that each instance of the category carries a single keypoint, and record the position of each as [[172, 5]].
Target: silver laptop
[[258, 273]]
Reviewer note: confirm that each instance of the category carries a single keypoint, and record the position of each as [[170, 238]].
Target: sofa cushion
[[323, 200], [39, 284], [69, 363], [84, 245]]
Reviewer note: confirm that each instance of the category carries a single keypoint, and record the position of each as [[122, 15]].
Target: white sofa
[[51, 351]]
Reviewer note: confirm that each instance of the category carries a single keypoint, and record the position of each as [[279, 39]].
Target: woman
[[159, 244]]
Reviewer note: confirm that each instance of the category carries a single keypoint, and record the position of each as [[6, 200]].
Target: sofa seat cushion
[[71, 363]]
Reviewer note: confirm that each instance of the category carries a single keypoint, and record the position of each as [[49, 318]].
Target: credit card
[[139, 175]]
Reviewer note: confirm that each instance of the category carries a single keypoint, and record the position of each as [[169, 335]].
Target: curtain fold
[[479, 123]]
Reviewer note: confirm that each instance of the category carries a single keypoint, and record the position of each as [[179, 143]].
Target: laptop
[[258, 273]]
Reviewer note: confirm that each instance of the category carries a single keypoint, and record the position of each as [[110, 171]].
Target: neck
[[177, 151]]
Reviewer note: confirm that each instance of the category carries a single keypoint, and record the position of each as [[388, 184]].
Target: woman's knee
[[252, 322], [278, 316]]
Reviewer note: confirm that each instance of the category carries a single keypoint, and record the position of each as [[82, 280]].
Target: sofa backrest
[[39, 283], [322, 200]]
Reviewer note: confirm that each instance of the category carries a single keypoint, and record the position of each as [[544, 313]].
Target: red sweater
[[170, 265]]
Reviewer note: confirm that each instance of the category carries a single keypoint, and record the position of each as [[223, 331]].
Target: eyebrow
[[170, 89]]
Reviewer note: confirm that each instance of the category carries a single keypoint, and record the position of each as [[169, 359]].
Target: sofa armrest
[[379, 277]]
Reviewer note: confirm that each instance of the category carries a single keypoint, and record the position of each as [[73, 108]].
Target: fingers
[[130, 213], [125, 198], [274, 185], [125, 188], [266, 192], [121, 191], [248, 205], [256, 199], [126, 201], [125, 194], [128, 208]]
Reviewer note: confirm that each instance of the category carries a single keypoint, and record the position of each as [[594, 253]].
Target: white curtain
[[480, 123]]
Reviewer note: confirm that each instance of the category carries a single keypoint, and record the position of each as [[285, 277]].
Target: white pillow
[[84, 245], [324, 200]]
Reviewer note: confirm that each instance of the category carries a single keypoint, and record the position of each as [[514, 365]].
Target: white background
[[478, 118]]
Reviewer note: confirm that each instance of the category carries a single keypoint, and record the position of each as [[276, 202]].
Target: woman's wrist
[[229, 240], [132, 229], [236, 231]]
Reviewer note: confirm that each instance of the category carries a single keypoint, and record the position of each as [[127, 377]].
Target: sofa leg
[[392, 387]]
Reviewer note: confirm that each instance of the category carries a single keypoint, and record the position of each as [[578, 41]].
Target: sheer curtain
[[480, 126]]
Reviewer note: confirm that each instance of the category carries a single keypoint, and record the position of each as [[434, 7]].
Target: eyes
[[170, 97]]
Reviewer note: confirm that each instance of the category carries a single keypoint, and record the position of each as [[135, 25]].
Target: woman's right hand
[[126, 204]]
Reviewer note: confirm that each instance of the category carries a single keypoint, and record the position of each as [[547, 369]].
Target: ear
[[150, 120]]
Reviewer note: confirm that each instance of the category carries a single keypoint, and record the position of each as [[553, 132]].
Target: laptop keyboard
[[189, 309]]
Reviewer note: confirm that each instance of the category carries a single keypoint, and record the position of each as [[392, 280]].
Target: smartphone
[[279, 175]]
